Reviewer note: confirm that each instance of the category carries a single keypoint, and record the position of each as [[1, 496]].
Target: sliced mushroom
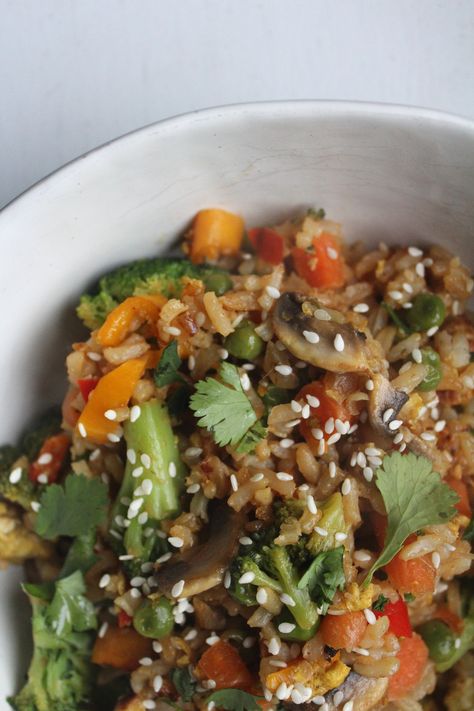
[[364, 692], [202, 567], [339, 348], [385, 403]]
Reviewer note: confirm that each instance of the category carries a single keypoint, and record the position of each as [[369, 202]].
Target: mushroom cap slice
[[366, 693], [296, 314], [384, 398], [203, 566]]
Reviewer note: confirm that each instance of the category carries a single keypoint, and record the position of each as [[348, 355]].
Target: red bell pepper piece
[[397, 613], [323, 266], [268, 244], [86, 386], [124, 619], [50, 458]]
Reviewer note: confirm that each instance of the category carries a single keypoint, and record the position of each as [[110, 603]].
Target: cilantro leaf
[[69, 610], [414, 497], [234, 700], [166, 372], [223, 407], [324, 576], [184, 683], [469, 532], [396, 318], [72, 510], [251, 438], [380, 602], [81, 554]]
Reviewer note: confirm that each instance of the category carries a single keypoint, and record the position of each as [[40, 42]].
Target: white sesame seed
[[247, 578], [262, 596], [408, 288], [321, 447], [405, 367], [286, 627], [245, 541], [142, 518], [245, 382], [287, 600], [149, 704], [354, 427], [192, 634], [147, 486], [283, 476], [295, 406], [103, 629], [233, 482], [370, 616], [272, 291], [312, 401], [340, 536], [282, 691], [15, 475], [177, 588], [94, 356], [305, 411], [388, 414], [321, 531], [431, 331], [332, 469], [176, 541], [361, 308], [319, 700], [126, 556], [375, 461], [192, 452], [257, 477], [104, 581], [333, 438], [346, 487], [279, 663], [329, 425], [172, 471], [45, 458], [311, 336], [415, 252], [146, 460], [136, 504], [361, 459], [43, 479], [138, 471], [211, 640], [303, 487], [322, 315], [286, 443], [135, 413], [311, 504], [362, 556], [417, 355], [450, 547], [274, 646], [116, 534], [193, 488], [395, 295], [436, 559], [368, 473], [457, 643], [348, 706], [428, 436], [340, 426], [398, 438], [338, 696], [110, 414], [317, 433], [339, 343], [395, 424], [332, 253], [112, 437], [163, 558], [119, 520], [420, 269], [223, 353], [407, 305], [131, 456], [82, 430], [284, 369], [146, 662], [440, 425], [172, 330], [137, 581]]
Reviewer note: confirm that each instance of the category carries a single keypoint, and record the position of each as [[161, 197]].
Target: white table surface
[[76, 73]]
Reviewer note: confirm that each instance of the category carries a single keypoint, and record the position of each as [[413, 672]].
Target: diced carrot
[[328, 407], [50, 458], [268, 244], [459, 486], [112, 391], [416, 576], [453, 621], [343, 631], [412, 656], [215, 233], [323, 266], [225, 666], [86, 386], [120, 321], [121, 648]]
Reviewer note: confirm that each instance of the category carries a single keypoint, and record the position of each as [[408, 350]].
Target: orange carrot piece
[[121, 648], [416, 576], [215, 233], [328, 407], [54, 450], [323, 266], [412, 656], [343, 631], [225, 666]]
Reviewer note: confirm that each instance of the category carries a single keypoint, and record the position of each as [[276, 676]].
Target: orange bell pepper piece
[[225, 666], [112, 391], [119, 322], [215, 233], [121, 648]]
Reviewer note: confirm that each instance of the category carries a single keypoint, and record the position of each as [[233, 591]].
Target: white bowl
[[398, 174]]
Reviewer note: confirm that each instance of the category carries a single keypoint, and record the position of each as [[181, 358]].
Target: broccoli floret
[[332, 520], [60, 677], [145, 276], [21, 492], [276, 567], [154, 477], [41, 428]]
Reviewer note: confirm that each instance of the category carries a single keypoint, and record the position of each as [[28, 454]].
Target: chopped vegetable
[[184, 683], [412, 656], [50, 458], [427, 311], [331, 522], [86, 386], [234, 700], [119, 322], [166, 372], [414, 496], [19, 492], [244, 343], [215, 233], [327, 408], [268, 244], [323, 265], [416, 576], [251, 438], [432, 361], [397, 613], [343, 631], [223, 408], [121, 648], [154, 618], [113, 390], [380, 604], [222, 663], [72, 510], [324, 577], [439, 640], [463, 506]]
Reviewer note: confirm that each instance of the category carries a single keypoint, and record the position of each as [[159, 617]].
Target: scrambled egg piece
[[321, 675], [355, 598], [17, 543]]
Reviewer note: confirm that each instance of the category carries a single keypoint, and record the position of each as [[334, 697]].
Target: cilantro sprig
[[234, 700], [414, 497], [324, 577], [222, 407], [72, 510], [166, 372]]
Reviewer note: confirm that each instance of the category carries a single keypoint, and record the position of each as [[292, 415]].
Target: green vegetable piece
[[439, 639], [332, 520], [21, 492], [298, 634], [219, 283], [69, 610], [276, 396], [414, 496], [380, 602], [222, 407], [432, 361], [428, 311], [244, 343], [251, 438], [184, 683], [154, 618], [81, 554], [396, 318], [72, 510], [234, 700], [324, 577], [166, 372]]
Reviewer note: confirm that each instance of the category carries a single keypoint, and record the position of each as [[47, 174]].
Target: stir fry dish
[[257, 494]]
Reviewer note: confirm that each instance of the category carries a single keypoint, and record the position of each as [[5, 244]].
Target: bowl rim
[[281, 107]]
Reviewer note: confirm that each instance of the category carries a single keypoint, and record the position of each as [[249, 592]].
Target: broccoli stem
[[155, 460], [304, 611]]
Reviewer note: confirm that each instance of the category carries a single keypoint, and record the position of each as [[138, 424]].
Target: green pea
[[432, 361], [439, 640], [244, 342], [219, 283], [154, 618], [428, 311]]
